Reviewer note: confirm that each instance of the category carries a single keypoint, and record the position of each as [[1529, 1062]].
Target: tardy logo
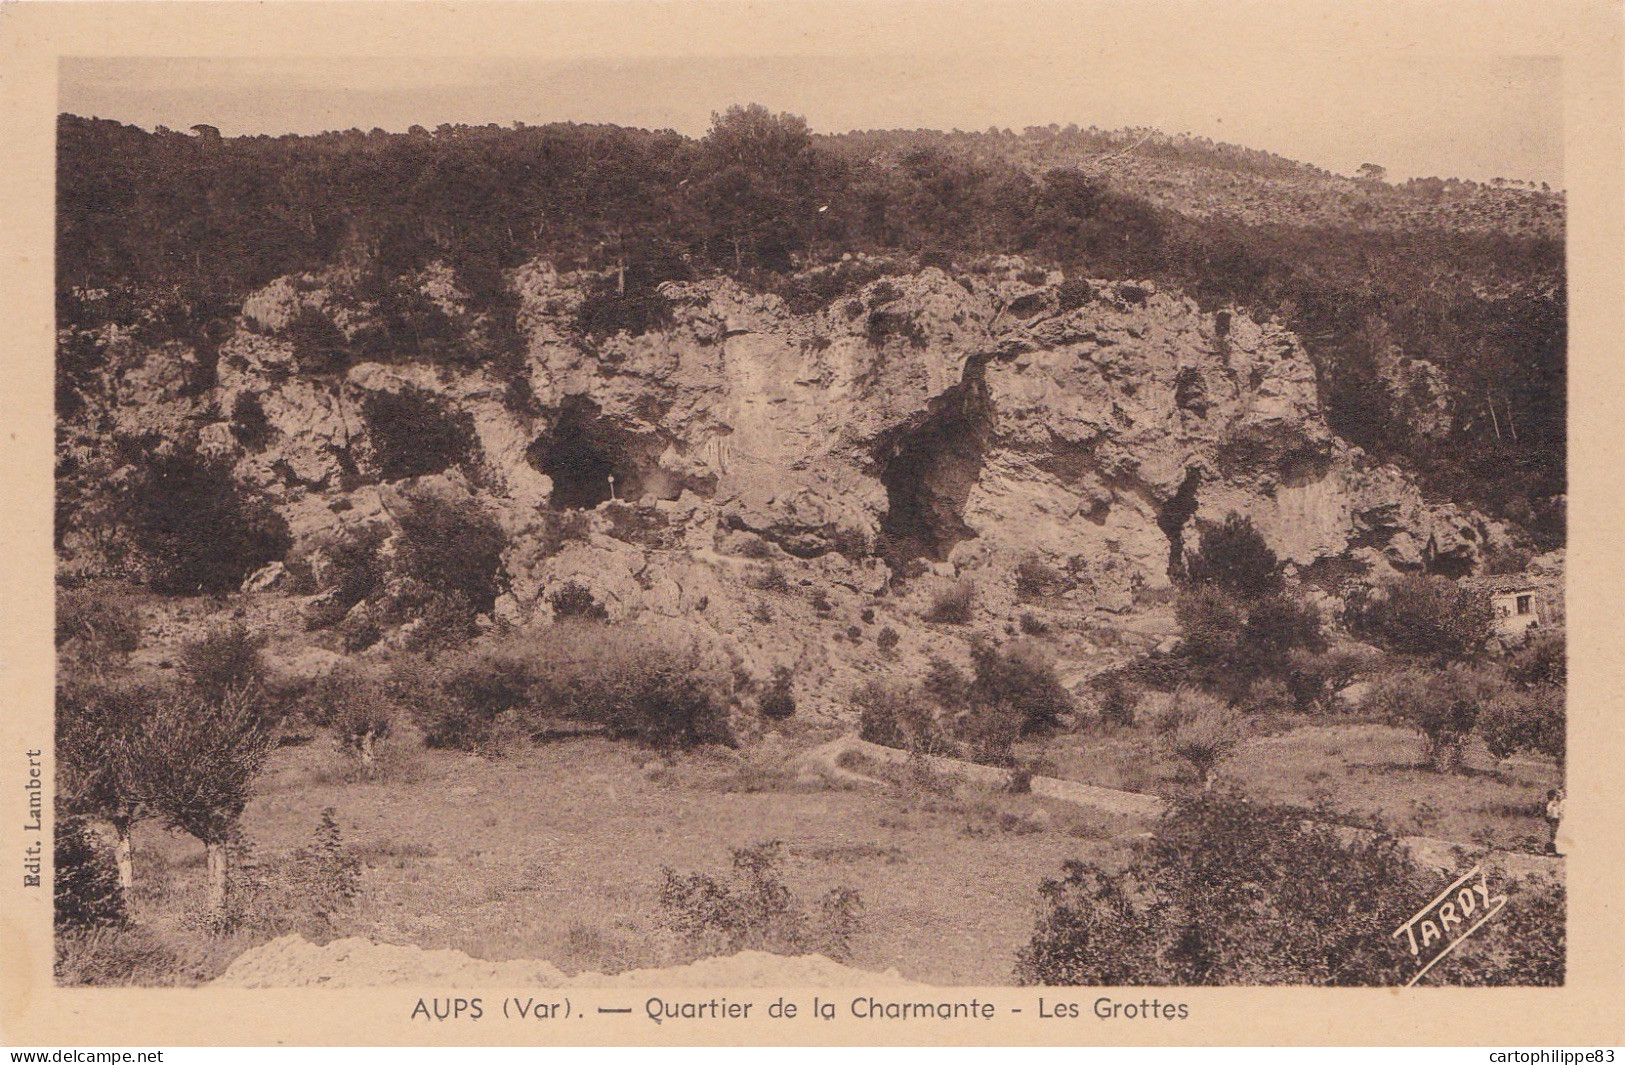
[[1437, 925]]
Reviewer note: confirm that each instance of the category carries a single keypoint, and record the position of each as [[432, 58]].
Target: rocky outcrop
[[925, 424]]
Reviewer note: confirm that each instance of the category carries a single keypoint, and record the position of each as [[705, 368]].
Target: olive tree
[[196, 766], [100, 726]]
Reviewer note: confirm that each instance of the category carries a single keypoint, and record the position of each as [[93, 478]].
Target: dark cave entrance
[[581, 453], [929, 466], [1172, 517]]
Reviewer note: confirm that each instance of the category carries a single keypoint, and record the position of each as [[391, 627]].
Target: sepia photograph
[[906, 523]]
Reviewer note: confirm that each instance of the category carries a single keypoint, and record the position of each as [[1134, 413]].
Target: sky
[[1473, 117]]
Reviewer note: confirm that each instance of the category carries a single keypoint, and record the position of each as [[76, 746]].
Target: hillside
[[1202, 178], [1437, 339]]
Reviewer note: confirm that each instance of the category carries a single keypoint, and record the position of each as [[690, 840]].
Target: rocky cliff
[[920, 425]]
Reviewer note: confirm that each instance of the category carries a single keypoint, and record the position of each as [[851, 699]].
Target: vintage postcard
[[811, 523]]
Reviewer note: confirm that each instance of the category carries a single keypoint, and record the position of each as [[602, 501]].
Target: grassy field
[[558, 852], [1361, 770]]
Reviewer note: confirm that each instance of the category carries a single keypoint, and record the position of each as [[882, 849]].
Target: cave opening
[[1172, 517], [582, 453], [928, 467]]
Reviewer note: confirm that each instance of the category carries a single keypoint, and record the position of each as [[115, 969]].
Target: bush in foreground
[[754, 909], [1227, 892]]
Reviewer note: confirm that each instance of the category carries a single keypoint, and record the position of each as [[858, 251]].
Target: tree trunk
[[124, 855], [218, 866]]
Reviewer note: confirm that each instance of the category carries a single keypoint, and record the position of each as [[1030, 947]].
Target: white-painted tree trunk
[[219, 873]]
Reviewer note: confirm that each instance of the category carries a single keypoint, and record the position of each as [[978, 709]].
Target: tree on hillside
[[1426, 617], [1235, 557], [201, 531], [759, 186]]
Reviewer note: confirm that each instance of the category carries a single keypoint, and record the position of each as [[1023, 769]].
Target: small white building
[[1515, 602]]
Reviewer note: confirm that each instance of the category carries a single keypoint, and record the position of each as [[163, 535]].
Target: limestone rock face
[[959, 425]]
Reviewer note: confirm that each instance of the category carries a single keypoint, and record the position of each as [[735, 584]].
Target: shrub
[[1020, 676], [894, 715], [1530, 719], [1211, 624], [478, 695], [1033, 625], [1229, 892], [1074, 292], [101, 728], [305, 891], [954, 604], [200, 531], [86, 892], [1230, 643], [226, 660], [887, 639], [1235, 557], [249, 423], [1524, 946], [1543, 658], [945, 684], [778, 702], [1269, 696], [1427, 617], [755, 910], [325, 872], [643, 525], [574, 600], [413, 434], [1199, 729], [1505, 559], [350, 565], [1277, 625], [357, 708], [98, 618], [107, 957], [773, 580], [880, 717], [635, 680], [319, 346], [1442, 704], [1036, 579], [1116, 698], [756, 548], [560, 527], [990, 731], [452, 545], [606, 310]]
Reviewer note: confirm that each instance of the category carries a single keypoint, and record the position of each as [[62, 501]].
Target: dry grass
[[1360, 771], [557, 852]]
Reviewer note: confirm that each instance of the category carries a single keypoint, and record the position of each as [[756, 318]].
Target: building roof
[[1503, 583]]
